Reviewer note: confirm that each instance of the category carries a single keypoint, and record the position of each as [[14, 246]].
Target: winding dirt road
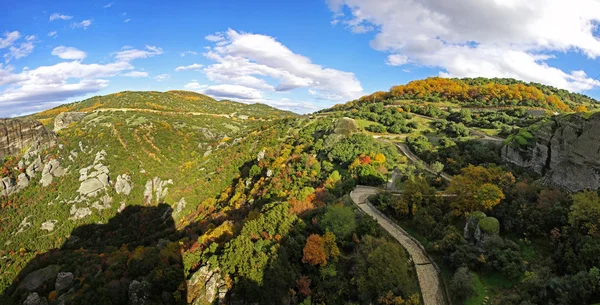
[[427, 272]]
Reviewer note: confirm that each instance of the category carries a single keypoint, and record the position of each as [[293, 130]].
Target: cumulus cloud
[[131, 54], [22, 50], [68, 53], [190, 67], [38, 88], [83, 24], [136, 74], [253, 61], [58, 16], [503, 38]]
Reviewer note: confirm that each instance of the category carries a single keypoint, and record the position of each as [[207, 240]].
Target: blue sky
[[297, 55]]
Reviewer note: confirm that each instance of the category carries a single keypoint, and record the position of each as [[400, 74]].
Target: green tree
[[339, 220], [585, 213]]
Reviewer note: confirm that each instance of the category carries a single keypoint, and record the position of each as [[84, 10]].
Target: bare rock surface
[[565, 150], [18, 134], [64, 119]]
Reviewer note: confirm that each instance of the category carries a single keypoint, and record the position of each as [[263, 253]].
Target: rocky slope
[[565, 150], [16, 135]]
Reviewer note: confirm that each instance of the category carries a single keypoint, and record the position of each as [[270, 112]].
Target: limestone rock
[[260, 156], [17, 134], [49, 225], [206, 285], [34, 167], [36, 279], [565, 150], [156, 189], [123, 184], [180, 205], [79, 213], [22, 181], [63, 281], [35, 299], [64, 119], [7, 186]]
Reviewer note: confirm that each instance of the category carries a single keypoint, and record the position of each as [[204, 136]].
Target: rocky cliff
[[16, 135], [64, 119], [565, 150]]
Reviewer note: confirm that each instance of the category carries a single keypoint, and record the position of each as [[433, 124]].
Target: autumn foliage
[[314, 251]]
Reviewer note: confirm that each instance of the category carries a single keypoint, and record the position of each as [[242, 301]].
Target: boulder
[[22, 181], [7, 186], [79, 213], [64, 119], [180, 205], [123, 184], [206, 285], [34, 167], [35, 299], [51, 169], [36, 279], [48, 225], [156, 189], [63, 281]]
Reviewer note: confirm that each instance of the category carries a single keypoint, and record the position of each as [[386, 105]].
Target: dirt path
[[229, 116], [414, 158], [427, 273]]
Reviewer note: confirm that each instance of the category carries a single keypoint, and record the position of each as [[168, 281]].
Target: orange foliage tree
[[314, 251]]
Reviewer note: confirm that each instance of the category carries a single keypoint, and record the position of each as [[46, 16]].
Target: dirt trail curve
[[427, 272], [412, 157]]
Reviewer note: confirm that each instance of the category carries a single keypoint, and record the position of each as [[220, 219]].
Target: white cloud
[[68, 53], [256, 61], [108, 5], [52, 34], [233, 91], [24, 49], [57, 16], [9, 39], [131, 54], [184, 53], [396, 60], [162, 77], [83, 24], [38, 88], [494, 38], [194, 86], [127, 20], [30, 38], [136, 74], [190, 67]]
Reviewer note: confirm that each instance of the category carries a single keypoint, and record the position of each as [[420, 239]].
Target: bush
[[489, 225], [462, 284]]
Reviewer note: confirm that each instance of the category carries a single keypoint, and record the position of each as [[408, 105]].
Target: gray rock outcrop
[[64, 119], [565, 150], [94, 178], [35, 299], [48, 225], [156, 189], [205, 286], [7, 186], [63, 281], [51, 169], [123, 184], [36, 279], [17, 134]]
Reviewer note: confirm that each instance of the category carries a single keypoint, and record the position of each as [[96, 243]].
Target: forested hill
[[481, 92]]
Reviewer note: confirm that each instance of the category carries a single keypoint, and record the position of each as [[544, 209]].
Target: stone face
[[34, 167], [123, 184], [565, 150], [63, 281], [35, 299], [205, 286], [36, 279], [156, 189], [7, 186], [17, 134], [64, 119], [22, 181]]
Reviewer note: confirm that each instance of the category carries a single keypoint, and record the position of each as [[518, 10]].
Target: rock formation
[[64, 119], [205, 286], [16, 135], [565, 150]]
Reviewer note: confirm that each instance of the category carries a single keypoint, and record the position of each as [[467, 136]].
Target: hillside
[[175, 198]]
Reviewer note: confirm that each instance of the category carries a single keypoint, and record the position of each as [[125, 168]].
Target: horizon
[[300, 57]]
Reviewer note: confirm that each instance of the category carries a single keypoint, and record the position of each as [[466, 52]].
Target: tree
[[437, 167], [585, 213], [314, 251], [580, 108], [331, 248], [478, 188], [303, 284], [339, 220], [462, 284]]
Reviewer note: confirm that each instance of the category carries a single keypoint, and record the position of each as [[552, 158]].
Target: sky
[[295, 55]]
